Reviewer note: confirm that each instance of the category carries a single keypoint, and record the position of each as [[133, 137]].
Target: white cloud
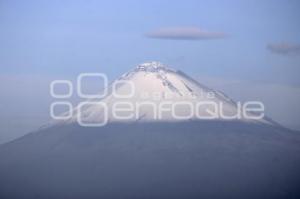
[[185, 33]]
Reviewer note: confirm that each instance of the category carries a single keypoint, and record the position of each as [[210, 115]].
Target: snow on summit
[[155, 92]]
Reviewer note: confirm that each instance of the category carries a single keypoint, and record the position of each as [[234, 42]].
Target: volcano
[[152, 92], [138, 152]]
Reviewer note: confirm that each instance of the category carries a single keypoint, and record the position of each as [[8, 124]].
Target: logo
[[129, 105]]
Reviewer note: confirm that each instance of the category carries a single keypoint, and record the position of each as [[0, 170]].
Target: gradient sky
[[40, 40]]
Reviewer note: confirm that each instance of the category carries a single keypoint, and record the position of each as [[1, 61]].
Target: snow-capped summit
[[154, 92], [153, 66]]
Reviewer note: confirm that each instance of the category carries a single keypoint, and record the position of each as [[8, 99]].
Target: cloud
[[284, 48], [185, 33]]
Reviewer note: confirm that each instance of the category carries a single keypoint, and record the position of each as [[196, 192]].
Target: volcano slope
[[203, 159]]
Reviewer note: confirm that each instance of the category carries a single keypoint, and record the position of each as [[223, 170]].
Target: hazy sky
[[254, 44]]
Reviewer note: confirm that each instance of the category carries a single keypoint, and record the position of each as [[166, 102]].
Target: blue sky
[[65, 38], [70, 36]]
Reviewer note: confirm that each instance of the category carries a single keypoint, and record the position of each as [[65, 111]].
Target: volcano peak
[[152, 66]]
